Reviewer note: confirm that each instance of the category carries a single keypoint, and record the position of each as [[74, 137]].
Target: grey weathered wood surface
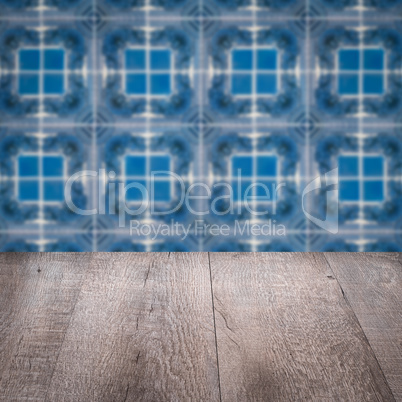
[[198, 326], [38, 293], [373, 286], [285, 332], [142, 330]]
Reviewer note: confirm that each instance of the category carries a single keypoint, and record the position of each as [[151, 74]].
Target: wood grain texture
[[132, 327], [38, 293], [142, 331], [286, 333], [372, 283]]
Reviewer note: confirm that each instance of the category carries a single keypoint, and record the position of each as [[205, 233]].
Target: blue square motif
[[53, 191], [267, 59], [29, 59], [266, 165], [135, 59], [33, 70], [242, 59], [28, 84], [373, 59], [348, 165], [349, 59], [53, 166], [373, 166], [28, 166], [148, 71], [362, 68], [374, 191], [241, 84], [373, 84], [28, 190], [368, 166], [136, 84], [135, 165], [159, 163], [161, 191], [242, 166], [160, 59], [160, 84], [348, 84], [138, 191], [53, 84], [349, 190], [54, 59], [266, 84]]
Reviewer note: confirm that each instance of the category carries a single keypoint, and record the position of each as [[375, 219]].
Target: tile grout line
[[213, 315], [178, 18], [278, 124], [94, 153], [307, 110], [40, 126], [201, 150]]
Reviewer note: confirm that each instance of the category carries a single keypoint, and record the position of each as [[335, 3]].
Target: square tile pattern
[[255, 99]]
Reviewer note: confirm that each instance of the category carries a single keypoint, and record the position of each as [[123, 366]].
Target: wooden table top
[[200, 326]]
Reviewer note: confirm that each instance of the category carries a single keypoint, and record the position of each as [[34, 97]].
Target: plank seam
[[65, 332], [216, 338], [358, 323]]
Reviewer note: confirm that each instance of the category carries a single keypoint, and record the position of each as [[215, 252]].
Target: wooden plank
[[142, 331], [372, 283], [286, 333], [38, 293]]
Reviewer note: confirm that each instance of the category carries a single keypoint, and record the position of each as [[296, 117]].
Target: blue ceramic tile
[[160, 84], [159, 163], [349, 59], [348, 165], [242, 59], [135, 165], [28, 190], [348, 84], [242, 166], [52, 166], [135, 59], [136, 84], [53, 191], [242, 84], [53, 84], [373, 59], [29, 59], [373, 84], [373, 166], [28, 84], [267, 59], [28, 166], [160, 59], [374, 190], [349, 190], [53, 59], [136, 189], [287, 113], [161, 191], [266, 165], [266, 84]]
